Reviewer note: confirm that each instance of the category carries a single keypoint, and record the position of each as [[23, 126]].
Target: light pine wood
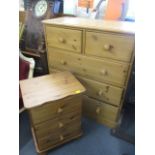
[[64, 38], [69, 138], [55, 109], [37, 91], [109, 45], [111, 72], [59, 136], [102, 91], [58, 124], [104, 25], [57, 119], [99, 111], [103, 65]]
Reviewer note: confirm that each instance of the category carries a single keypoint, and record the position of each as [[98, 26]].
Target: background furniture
[[26, 67], [33, 44], [100, 54], [54, 105]]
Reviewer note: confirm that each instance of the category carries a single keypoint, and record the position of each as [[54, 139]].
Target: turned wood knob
[[74, 47], [63, 62], [60, 125], [107, 47], [61, 40], [98, 110], [60, 110], [61, 137], [100, 93], [107, 89], [103, 72]]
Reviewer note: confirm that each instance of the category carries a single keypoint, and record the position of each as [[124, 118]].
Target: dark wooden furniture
[[54, 105], [34, 41]]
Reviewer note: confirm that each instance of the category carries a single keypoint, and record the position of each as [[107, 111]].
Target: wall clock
[[40, 8]]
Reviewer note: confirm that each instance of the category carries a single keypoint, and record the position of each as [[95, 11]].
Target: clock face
[[40, 8]]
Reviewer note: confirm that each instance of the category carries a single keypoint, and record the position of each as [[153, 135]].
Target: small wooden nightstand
[[54, 105]]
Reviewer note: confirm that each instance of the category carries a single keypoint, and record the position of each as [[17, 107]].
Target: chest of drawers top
[[104, 25]]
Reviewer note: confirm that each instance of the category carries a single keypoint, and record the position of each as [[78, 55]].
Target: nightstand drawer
[[108, 45], [111, 72], [59, 137], [58, 108], [58, 124], [64, 38], [97, 110], [102, 91]]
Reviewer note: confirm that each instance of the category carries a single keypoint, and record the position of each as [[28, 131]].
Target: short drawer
[[59, 137], [58, 124], [100, 111], [64, 38], [102, 91], [55, 109], [110, 72], [108, 45]]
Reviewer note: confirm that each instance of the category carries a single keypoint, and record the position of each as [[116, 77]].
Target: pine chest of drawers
[[54, 105], [100, 54]]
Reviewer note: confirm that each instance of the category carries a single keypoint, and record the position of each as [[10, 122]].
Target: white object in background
[[31, 61], [21, 5], [70, 7], [99, 9]]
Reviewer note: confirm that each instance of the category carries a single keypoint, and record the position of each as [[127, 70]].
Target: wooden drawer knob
[[74, 47], [103, 72], [61, 40], [100, 93], [61, 137], [60, 110], [98, 110], [107, 47], [63, 62], [60, 125]]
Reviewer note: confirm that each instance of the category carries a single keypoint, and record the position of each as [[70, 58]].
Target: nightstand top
[[40, 90]]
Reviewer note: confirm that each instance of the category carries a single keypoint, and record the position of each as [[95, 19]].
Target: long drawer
[[64, 38], [58, 109], [100, 111], [108, 45], [101, 70], [102, 91]]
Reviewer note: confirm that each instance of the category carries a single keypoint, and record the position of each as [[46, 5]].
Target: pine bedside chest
[[54, 105], [100, 54]]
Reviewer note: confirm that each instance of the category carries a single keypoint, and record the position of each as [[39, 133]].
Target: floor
[[96, 140]]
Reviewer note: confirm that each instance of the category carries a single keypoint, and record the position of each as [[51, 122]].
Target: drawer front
[[114, 46], [59, 137], [102, 91], [64, 38], [55, 109], [99, 110], [101, 70], [57, 124]]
